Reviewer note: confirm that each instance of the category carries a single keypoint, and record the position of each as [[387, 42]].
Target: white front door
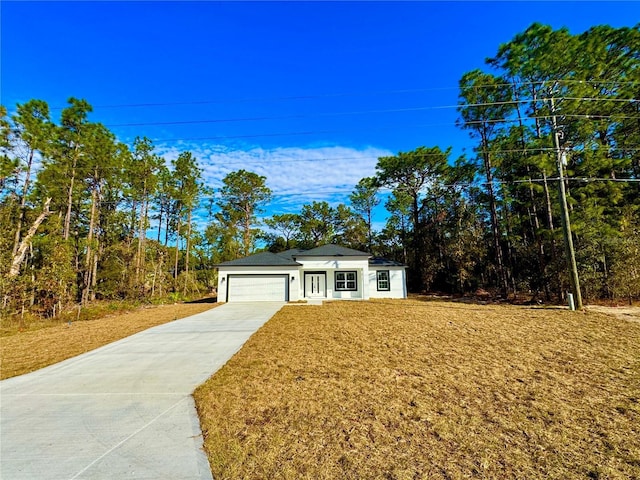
[[315, 285]]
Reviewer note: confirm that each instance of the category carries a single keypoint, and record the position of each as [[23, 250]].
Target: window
[[383, 280], [346, 281]]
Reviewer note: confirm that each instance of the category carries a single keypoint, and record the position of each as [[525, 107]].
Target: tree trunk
[[188, 245], [67, 218], [166, 230], [548, 200], [534, 107], [23, 201], [404, 241], [417, 233], [246, 235], [511, 255], [160, 219], [162, 274], [554, 251], [133, 220], [186, 253], [494, 219], [536, 234], [175, 265], [88, 264], [140, 253], [94, 275], [24, 243]]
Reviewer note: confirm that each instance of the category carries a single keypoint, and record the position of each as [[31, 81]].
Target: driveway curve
[[124, 410]]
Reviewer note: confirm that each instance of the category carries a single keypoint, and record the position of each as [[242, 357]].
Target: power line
[[538, 180], [326, 159], [351, 94], [596, 99], [590, 116], [289, 159], [297, 116], [339, 191], [269, 99], [359, 112], [384, 128]]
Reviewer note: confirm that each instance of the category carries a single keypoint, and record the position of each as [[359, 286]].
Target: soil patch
[[624, 313]]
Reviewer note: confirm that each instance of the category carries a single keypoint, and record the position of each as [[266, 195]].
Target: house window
[[383, 280], [346, 281]]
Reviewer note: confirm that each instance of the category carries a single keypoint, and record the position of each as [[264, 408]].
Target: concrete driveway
[[123, 411]]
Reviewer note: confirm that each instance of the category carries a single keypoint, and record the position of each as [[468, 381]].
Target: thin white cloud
[[296, 175]]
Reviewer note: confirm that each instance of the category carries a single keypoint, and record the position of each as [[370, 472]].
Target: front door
[[315, 285]]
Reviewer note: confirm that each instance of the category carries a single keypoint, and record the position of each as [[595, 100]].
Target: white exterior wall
[[294, 281], [366, 278], [397, 283], [358, 264]]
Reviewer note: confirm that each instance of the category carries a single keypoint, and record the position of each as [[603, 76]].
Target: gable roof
[[291, 253], [331, 251], [263, 259], [384, 262], [287, 258]]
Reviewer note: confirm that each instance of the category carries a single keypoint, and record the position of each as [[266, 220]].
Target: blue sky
[[308, 94]]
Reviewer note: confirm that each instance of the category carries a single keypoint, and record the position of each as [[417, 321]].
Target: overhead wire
[[342, 191], [388, 127], [360, 112], [464, 185], [354, 94], [312, 132], [458, 106], [327, 159]]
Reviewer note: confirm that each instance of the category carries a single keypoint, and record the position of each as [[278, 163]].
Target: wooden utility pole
[[566, 223]]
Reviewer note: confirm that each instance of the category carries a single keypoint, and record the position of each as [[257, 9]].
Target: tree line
[[491, 219], [76, 207], [86, 217]]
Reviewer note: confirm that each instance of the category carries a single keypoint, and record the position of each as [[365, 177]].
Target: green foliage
[[415, 177], [52, 286], [284, 226], [317, 224], [625, 262], [242, 198], [363, 200], [592, 76], [93, 245]]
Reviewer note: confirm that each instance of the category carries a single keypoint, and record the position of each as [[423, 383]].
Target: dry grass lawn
[[433, 390], [24, 352]]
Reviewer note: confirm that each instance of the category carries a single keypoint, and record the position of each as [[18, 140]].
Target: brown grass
[[410, 389], [23, 352]]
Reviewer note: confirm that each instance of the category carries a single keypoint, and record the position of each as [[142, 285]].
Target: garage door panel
[[258, 288]]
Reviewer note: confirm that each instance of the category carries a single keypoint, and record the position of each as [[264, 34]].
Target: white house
[[326, 272]]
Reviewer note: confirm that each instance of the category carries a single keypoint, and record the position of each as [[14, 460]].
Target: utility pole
[[566, 223]]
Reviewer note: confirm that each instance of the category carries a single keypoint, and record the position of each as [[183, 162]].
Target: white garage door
[[258, 288]]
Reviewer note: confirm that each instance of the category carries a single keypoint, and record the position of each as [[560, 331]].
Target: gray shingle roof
[[383, 262], [332, 251], [263, 259], [287, 258], [290, 253]]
